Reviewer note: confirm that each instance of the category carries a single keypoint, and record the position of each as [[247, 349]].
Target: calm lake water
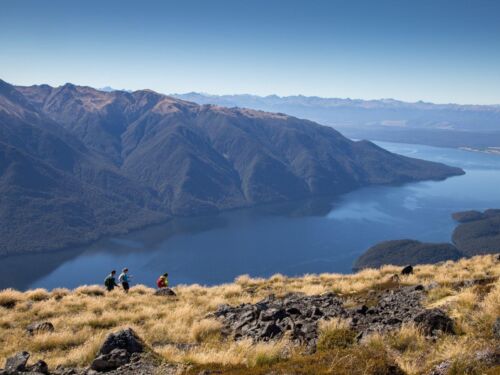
[[311, 236]]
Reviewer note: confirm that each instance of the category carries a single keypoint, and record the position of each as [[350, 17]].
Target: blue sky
[[437, 50]]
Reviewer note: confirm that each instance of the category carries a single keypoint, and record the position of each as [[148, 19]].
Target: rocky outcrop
[[298, 315], [117, 350], [272, 317], [17, 363], [122, 353]]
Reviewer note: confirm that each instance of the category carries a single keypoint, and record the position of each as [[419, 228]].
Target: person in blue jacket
[[124, 279]]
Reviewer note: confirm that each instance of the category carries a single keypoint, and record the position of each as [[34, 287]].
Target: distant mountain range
[[448, 125], [77, 163]]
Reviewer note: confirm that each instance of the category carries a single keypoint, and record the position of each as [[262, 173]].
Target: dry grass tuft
[[10, 297], [335, 333], [38, 295]]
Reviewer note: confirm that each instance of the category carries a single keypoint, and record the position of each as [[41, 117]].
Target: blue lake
[[310, 236]]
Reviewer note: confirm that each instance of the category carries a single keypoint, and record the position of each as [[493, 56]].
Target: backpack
[[160, 283], [108, 282]]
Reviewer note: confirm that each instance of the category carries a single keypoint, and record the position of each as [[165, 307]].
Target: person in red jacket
[[162, 281]]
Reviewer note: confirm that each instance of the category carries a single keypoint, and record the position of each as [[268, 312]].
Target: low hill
[[81, 163], [443, 319], [404, 252], [477, 233]]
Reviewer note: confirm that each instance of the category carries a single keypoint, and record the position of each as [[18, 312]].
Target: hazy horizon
[[107, 87], [439, 52]]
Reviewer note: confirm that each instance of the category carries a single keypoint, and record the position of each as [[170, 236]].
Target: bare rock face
[[165, 292], [433, 320], [39, 327], [17, 363]]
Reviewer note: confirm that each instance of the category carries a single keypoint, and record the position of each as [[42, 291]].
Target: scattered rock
[[271, 318], [165, 292], [125, 339], [408, 270], [111, 361], [40, 327], [39, 367], [298, 315], [487, 357], [496, 329], [434, 320], [17, 363]]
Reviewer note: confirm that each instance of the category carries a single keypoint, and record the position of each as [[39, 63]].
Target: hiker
[[110, 282], [162, 281], [124, 279]]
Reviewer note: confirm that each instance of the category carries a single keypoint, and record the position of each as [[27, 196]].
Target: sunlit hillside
[[182, 331]]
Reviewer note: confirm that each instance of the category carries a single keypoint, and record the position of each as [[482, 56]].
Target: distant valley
[[444, 125], [77, 163]]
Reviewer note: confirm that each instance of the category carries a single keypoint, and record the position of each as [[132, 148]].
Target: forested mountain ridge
[[78, 163]]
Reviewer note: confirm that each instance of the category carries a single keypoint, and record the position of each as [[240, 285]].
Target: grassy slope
[[84, 316]]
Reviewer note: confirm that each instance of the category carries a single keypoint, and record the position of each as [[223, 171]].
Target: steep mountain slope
[[53, 190], [146, 156]]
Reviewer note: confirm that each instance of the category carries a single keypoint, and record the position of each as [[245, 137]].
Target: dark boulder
[[165, 292], [39, 367], [408, 270], [17, 363], [111, 361], [125, 339], [39, 327], [434, 320]]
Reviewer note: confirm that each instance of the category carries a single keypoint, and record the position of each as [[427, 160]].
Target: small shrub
[[335, 333]]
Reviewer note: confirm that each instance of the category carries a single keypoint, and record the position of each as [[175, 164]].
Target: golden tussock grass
[[179, 330]]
